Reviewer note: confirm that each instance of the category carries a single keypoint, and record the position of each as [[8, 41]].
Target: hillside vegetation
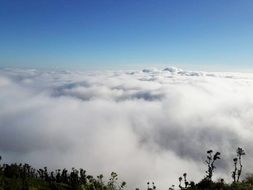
[[25, 177]]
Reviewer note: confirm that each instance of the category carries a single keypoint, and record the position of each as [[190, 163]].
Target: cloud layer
[[145, 125]]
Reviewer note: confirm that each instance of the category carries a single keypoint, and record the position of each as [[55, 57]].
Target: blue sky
[[194, 34]]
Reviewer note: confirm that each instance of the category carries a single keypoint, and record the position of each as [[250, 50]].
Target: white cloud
[[148, 125]]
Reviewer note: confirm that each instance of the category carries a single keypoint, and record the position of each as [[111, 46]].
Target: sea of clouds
[[149, 125]]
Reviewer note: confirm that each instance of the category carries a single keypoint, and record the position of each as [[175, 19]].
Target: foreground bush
[[25, 177]]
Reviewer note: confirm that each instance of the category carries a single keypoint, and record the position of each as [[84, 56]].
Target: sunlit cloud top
[[162, 121]]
